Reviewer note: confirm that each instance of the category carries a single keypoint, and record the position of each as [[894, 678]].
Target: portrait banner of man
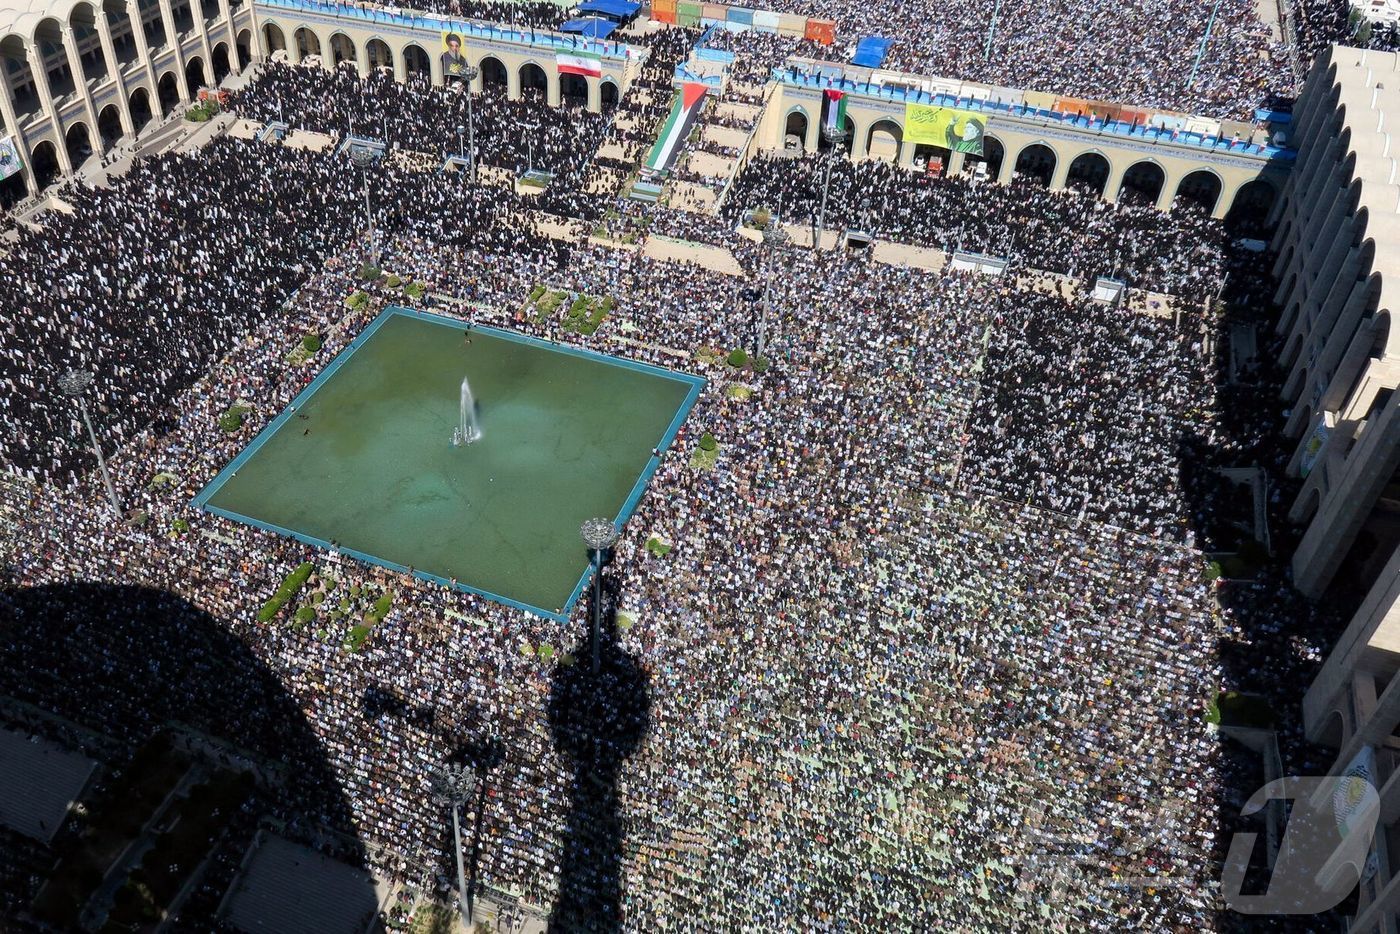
[[454, 63]]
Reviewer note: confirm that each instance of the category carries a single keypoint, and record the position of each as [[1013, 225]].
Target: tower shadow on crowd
[[1254, 584], [112, 669], [597, 722]]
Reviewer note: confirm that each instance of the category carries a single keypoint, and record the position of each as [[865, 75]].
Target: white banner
[[1351, 788], [9, 158]]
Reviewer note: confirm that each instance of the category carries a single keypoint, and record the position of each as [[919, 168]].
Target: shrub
[[393, 281], [416, 290], [305, 614], [356, 300], [738, 357], [232, 419], [536, 292], [708, 442], [657, 547], [292, 583], [760, 364], [546, 651], [381, 606], [179, 526], [1214, 571], [357, 637], [311, 343], [370, 272]]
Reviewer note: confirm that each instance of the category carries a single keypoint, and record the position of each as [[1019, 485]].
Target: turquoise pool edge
[[696, 384]]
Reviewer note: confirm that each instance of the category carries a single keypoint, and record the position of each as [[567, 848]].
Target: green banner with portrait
[[958, 130]]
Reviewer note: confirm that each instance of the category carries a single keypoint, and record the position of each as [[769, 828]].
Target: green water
[[372, 466]]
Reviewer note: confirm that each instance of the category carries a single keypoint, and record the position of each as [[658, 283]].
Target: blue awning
[[620, 9], [871, 51], [593, 27]]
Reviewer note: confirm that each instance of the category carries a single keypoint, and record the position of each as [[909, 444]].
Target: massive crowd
[[932, 645], [1069, 231]]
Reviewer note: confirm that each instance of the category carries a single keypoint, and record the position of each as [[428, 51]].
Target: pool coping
[[629, 506]]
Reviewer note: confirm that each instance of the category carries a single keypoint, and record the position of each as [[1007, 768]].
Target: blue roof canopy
[[620, 9], [871, 51], [593, 27]]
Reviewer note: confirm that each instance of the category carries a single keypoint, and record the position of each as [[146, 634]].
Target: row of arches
[[46, 63], [1091, 172], [414, 61], [79, 144]]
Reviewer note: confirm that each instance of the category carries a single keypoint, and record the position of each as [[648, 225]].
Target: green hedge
[[285, 591], [232, 419], [311, 342], [708, 442], [357, 300], [738, 357], [355, 640], [1234, 708], [381, 606]]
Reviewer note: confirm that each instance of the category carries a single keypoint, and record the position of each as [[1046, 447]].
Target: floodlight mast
[[74, 384], [599, 535], [452, 785], [363, 158]]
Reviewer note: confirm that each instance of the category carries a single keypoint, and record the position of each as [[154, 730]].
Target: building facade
[[81, 74], [1162, 158], [1337, 246]]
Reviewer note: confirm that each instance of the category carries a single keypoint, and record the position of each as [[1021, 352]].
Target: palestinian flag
[[835, 111], [585, 64], [684, 108]]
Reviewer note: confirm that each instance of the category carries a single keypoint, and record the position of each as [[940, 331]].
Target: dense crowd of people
[[1069, 231], [932, 643]]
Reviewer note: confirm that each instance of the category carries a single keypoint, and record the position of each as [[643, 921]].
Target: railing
[[1142, 131], [414, 19]]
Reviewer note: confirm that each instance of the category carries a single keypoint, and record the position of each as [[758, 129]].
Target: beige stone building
[[81, 74], [1337, 244]]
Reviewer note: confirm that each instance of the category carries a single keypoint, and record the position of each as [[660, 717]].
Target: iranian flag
[[835, 111], [579, 63]]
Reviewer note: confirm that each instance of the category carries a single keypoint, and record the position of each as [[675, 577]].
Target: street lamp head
[[836, 135], [775, 236], [75, 382], [461, 129], [451, 783], [470, 73], [599, 534], [363, 158]]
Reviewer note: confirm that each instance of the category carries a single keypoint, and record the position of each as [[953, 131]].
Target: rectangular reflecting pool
[[363, 459]]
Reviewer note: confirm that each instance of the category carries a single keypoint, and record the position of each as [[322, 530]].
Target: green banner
[[958, 130]]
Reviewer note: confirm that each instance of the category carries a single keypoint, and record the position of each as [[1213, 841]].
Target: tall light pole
[[451, 786], [599, 535], [773, 238], [530, 144], [364, 158], [470, 74], [837, 138], [74, 384]]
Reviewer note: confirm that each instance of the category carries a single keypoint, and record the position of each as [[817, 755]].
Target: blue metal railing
[[1180, 137], [414, 19]]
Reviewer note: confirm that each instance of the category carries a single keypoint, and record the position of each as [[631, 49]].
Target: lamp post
[[773, 238], [837, 139], [74, 384], [470, 74], [364, 158], [451, 785], [599, 535], [530, 145]]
